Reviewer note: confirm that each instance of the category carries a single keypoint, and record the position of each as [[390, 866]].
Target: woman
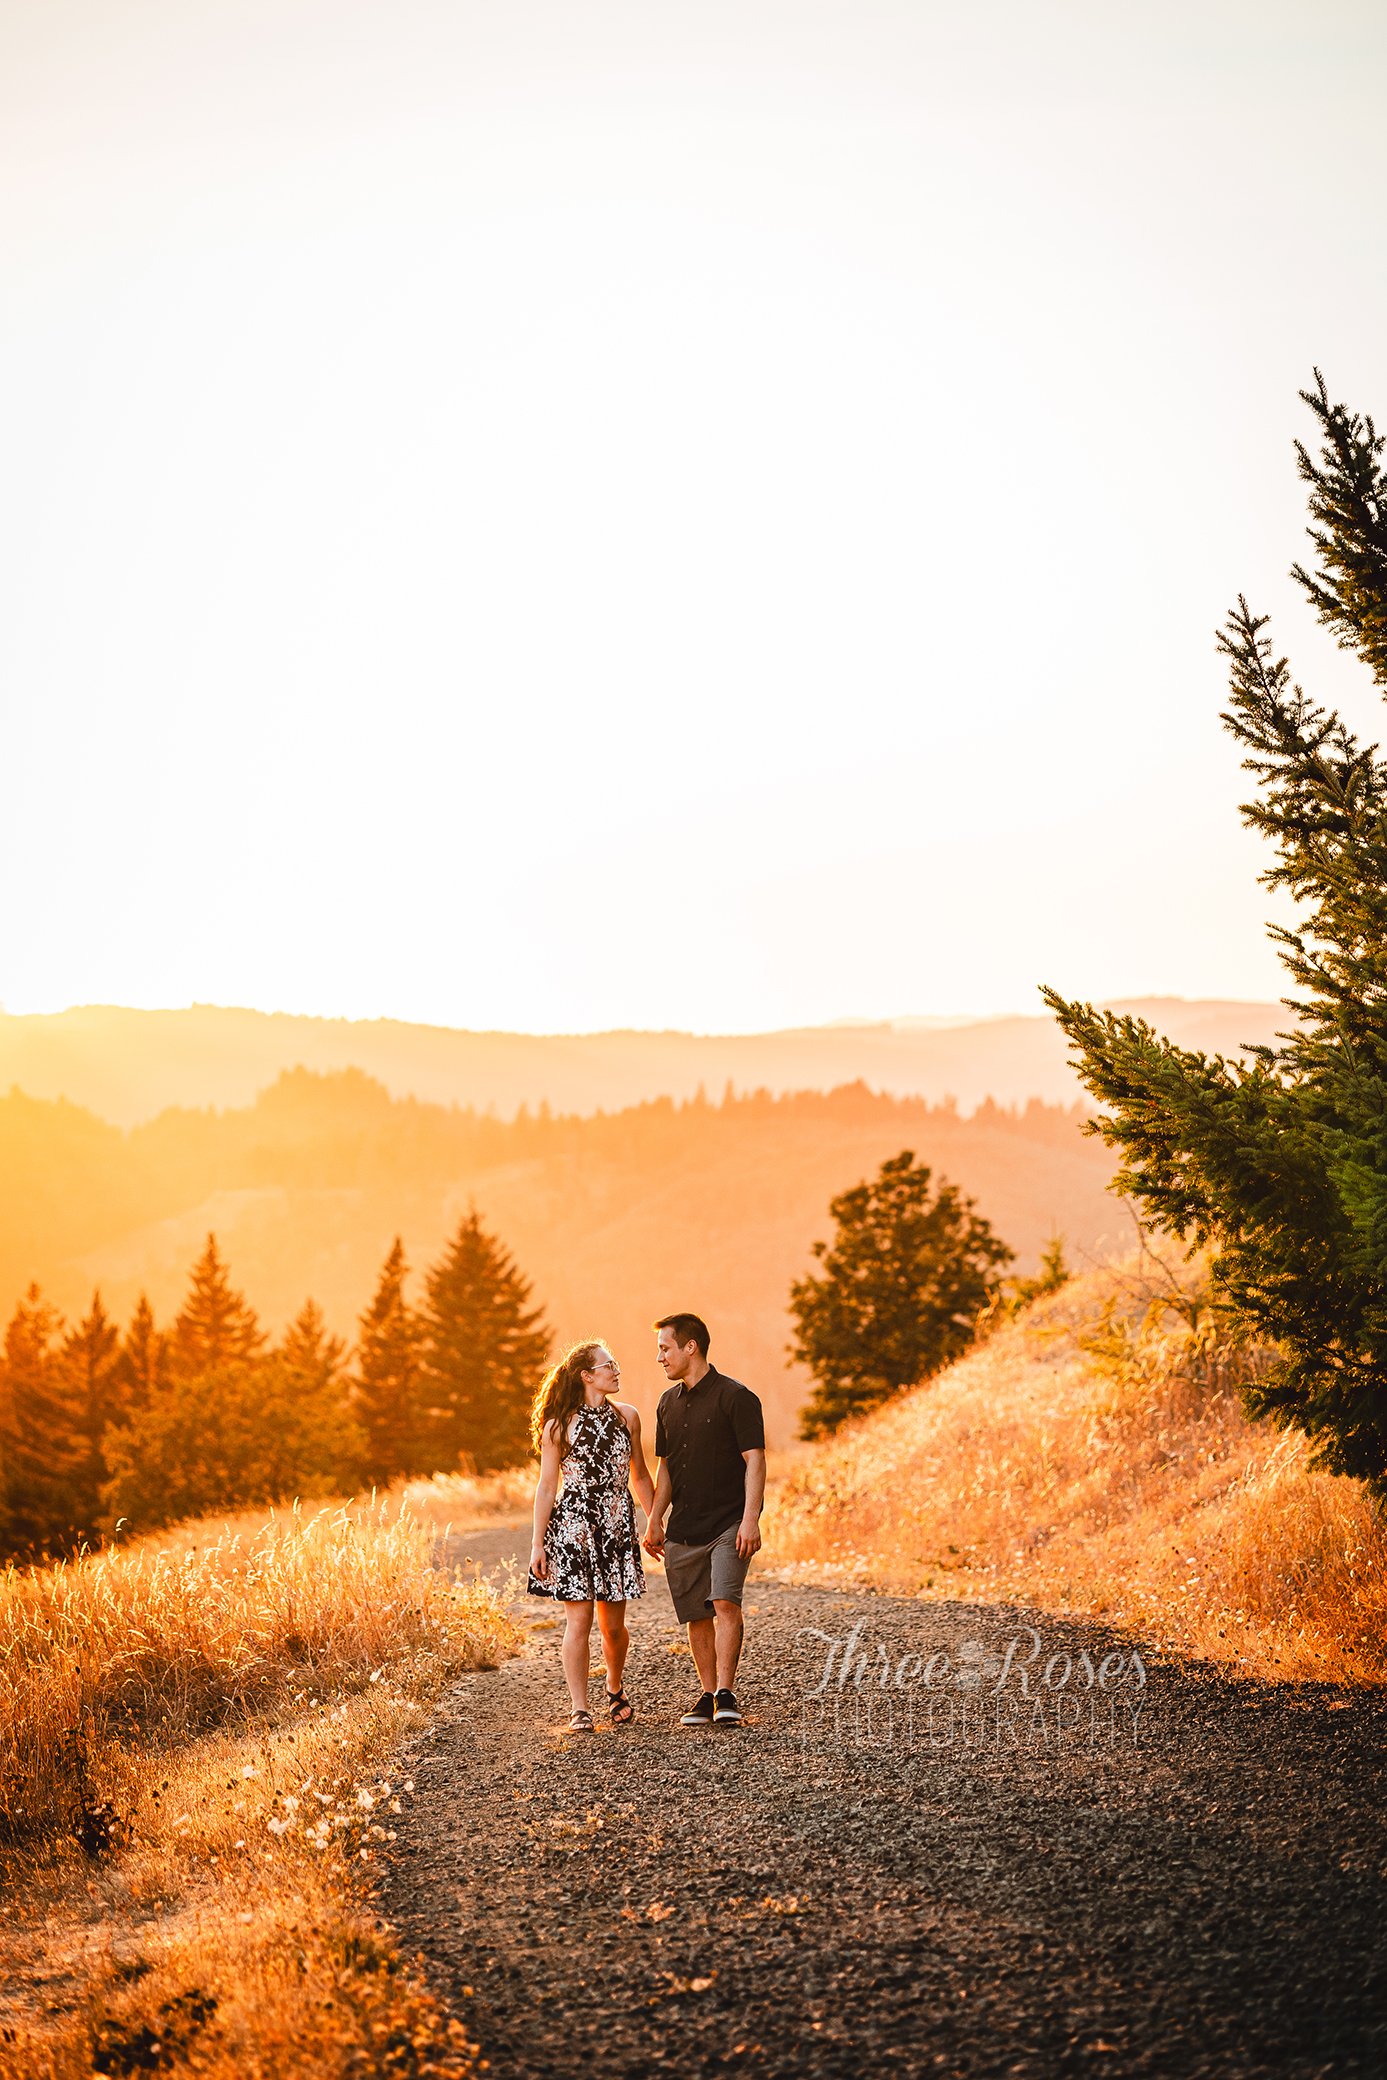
[[585, 1548]]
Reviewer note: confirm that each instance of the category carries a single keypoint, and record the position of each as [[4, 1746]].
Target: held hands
[[654, 1540], [748, 1538]]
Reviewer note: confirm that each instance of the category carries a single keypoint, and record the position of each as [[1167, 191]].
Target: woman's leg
[[577, 1631], [611, 1620]]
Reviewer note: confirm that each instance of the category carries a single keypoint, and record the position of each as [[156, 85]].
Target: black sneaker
[[725, 1711], [702, 1713]]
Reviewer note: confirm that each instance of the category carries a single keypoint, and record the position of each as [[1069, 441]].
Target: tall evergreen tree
[[244, 1432], [315, 1360], [214, 1325], [484, 1348], [904, 1281], [142, 1367], [43, 1446], [388, 1379], [1282, 1162], [308, 1349], [90, 1357]]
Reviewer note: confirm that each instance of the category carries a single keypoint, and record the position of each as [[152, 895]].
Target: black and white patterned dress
[[590, 1543]]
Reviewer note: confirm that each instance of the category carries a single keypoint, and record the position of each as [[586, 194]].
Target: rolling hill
[[128, 1065], [616, 1217]]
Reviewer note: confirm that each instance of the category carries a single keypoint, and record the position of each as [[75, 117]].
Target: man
[[710, 1441]]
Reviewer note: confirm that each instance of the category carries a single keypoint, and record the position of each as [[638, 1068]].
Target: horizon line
[[899, 1022]]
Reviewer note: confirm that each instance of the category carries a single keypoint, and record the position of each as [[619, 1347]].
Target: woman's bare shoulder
[[629, 1413]]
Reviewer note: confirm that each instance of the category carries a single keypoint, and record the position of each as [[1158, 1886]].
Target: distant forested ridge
[[127, 1065], [616, 1217]]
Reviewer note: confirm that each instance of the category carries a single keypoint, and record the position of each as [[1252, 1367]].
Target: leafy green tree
[[904, 1281], [484, 1348], [1281, 1162], [214, 1324], [43, 1446], [243, 1433], [388, 1379]]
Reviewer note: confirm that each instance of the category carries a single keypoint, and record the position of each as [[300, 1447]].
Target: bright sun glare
[[497, 496]]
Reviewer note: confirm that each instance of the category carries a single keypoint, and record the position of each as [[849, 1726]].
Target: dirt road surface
[[991, 1875]]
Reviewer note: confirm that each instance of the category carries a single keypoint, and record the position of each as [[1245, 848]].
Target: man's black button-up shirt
[[701, 1433]]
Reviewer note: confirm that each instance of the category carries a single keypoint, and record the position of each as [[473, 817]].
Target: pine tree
[[388, 1379], [309, 1350], [905, 1279], [142, 1367], [214, 1325], [1281, 1162], [315, 1361], [1053, 1274], [90, 1358], [484, 1348], [43, 1447], [241, 1433]]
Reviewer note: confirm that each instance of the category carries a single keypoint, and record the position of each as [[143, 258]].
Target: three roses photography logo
[[1009, 1694]]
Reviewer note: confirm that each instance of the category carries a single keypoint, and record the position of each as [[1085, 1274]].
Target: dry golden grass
[[1093, 1457], [464, 1501], [192, 1737]]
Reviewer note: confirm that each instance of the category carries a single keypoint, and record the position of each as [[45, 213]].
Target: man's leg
[[727, 1631], [704, 1653], [611, 1619]]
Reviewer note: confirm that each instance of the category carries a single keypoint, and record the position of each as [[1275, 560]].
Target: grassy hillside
[[617, 1218], [1093, 1457], [193, 1733], [128, 1065]]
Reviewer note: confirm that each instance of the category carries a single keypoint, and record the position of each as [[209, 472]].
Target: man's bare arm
[[654, 1540], [749, 1530]]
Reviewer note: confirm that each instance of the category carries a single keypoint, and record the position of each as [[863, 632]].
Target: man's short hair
[[688, 1328]]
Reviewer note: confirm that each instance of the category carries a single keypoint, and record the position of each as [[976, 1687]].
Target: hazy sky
[[566, 515]]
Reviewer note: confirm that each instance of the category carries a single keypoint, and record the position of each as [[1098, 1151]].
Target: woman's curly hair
[[561, 1391]]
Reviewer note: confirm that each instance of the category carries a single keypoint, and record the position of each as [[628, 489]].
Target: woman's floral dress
[[590, 1543]]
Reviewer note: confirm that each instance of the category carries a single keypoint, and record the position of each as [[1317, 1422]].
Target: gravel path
[[1189, 1878]]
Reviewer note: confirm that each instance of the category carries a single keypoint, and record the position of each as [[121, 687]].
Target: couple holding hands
[[710, 1447]]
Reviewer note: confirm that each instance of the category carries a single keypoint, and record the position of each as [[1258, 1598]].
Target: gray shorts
[[697, 1574]]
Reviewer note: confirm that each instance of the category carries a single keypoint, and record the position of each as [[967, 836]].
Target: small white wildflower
[[238, 1845], [365, 1800], [376, 1674], [408, 1784], [279, 1826], [291, 1804], [250, 1770]]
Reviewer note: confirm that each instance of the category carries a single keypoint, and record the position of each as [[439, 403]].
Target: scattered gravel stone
[[1181, 1876]]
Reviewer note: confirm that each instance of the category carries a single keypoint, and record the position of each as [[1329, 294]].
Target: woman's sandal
[[581, 1722], [620, 1708]]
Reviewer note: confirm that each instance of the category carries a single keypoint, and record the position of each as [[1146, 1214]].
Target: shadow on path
[[1187, 1879]]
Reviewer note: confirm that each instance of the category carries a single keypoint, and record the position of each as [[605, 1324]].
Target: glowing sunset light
[[557, 518]]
